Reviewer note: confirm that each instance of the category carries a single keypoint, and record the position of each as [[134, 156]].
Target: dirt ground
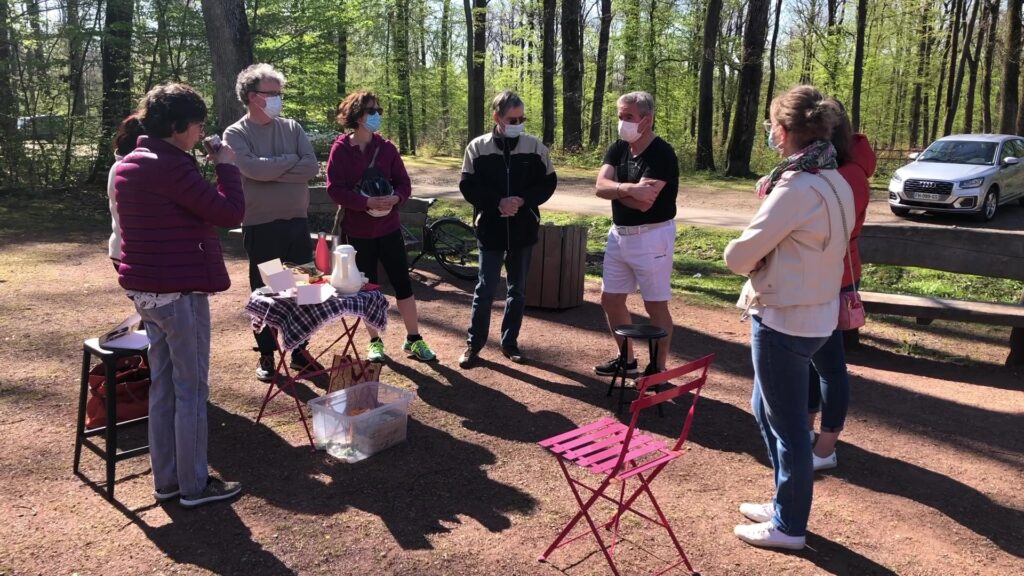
[[929, 476]]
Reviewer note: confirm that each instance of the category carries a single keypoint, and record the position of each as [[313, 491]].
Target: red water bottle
[[323, 255]]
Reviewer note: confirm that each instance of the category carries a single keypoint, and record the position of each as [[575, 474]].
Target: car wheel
[[989, 206], [899, 211]]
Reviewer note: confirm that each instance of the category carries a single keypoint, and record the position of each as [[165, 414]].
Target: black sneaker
[[267, 368], [303, 362], [165, 494], [469, 357], [608, 368], [514, 354], [215, 491]]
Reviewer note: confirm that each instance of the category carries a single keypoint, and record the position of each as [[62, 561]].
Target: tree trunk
[[1011, 69], [631, 43], [986, 84], [444, 63], [954, 54], [572, 76], [10, 145], [602, 70], [858, 63], [744, 125], [477, 55], [116, 54], [406, 123], [938, 91], [548, 81], [341, 86], [706, 97], [76, 58], [227, 33], [770, 93], [916, 116], [972, 79]]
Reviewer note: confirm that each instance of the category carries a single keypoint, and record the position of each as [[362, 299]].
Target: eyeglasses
[[515, 121], [375, 111], [767, 125], [271, 93]]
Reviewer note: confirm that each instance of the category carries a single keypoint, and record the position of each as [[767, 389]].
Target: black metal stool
[[652, 334], [109, 453]]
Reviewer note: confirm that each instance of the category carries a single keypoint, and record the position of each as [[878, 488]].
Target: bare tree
[[444, 60], [706, 97], [972, 63], [227, 32], [917, 118], [1011, 69], [476, 45], [744, 125], [602, 71]]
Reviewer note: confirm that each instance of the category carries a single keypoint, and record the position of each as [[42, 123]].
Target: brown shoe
[[469, 357], [514, 354]]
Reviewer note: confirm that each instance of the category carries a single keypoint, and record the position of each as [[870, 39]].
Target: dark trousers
[[517, 265], [285, 239]]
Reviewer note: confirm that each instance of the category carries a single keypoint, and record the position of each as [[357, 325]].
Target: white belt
[[631, 230]]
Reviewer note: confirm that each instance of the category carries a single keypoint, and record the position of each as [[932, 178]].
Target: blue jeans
[[829, 384], [779, 401], [179, 365], [517, 264]]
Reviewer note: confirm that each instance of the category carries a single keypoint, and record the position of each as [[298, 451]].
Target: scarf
[[819, 155]]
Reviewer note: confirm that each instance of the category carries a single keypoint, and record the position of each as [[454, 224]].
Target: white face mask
[[514, 130], [272, 106], [629, 131]]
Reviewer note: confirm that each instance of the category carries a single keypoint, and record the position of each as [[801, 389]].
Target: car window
[[1016, 149], [960, 152]]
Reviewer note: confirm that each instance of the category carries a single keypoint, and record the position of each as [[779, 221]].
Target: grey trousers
[[179, 360]]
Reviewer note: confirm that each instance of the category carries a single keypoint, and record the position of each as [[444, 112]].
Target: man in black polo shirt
[[506, 176], [640, 175]]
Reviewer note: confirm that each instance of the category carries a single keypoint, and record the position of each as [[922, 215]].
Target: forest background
[[907, 70]]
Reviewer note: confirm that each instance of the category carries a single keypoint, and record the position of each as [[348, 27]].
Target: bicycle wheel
[[454, 245]]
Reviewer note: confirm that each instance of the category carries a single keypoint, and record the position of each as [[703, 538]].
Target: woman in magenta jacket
[[171, 262], [371, 223]]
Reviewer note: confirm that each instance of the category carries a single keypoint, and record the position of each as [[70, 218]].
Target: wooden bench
[[990, 253]]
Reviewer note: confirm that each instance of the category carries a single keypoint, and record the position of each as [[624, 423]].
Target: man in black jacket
[[506, 176]]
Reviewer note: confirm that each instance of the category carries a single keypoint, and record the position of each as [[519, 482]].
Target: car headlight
[[896, 177], [972, 183]]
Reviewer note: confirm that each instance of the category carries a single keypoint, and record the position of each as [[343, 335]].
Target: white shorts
[[641, 260]]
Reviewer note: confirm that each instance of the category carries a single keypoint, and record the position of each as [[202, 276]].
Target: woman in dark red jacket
[[171, 262], [371, 223], [829, 386]]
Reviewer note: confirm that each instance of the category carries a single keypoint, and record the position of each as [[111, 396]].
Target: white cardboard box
[[275, 276], [313, 293]]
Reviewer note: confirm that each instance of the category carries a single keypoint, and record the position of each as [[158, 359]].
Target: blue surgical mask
[[373, 122], [514, 130], [771, 140]]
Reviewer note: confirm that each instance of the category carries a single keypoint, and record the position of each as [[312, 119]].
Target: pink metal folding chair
[[618, 454]]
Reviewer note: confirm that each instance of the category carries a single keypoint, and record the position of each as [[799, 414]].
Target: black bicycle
[[449, 240]]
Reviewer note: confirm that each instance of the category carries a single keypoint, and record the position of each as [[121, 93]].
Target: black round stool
[[652, 334]]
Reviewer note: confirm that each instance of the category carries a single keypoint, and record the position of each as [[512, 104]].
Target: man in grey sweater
[[277, 161]]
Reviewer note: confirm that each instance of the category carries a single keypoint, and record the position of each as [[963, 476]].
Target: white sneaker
[[826, 463], [766, 535], [757, 512]]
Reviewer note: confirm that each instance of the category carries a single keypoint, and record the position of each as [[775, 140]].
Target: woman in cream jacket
[[792, 252]]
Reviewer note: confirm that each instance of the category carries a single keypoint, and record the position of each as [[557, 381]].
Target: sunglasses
[[515, 121], [270, 94], [375, 111]]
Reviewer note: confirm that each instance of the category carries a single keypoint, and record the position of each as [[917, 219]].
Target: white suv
[[967, 173]]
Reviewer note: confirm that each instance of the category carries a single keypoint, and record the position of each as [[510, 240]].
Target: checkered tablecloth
[[295, 324]]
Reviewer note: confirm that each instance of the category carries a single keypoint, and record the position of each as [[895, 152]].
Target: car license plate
[[926, 196]]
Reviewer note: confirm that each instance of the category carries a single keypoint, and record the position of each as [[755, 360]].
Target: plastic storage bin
[[354, 423]]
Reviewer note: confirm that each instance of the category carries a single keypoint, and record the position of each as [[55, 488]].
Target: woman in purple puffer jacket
[[171, 262]]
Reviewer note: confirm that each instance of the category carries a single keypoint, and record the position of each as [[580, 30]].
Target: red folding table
[[295, 324]]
